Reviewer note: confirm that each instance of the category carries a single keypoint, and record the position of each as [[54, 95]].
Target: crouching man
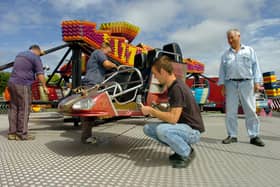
[[182, 124]]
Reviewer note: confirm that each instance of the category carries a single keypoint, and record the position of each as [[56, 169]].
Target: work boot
[[179, 161], [257, 141], [174, 156], [25, 138], [229, 140], [12, 136]]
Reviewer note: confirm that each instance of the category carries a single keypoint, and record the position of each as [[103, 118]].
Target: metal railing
[[115, 89]]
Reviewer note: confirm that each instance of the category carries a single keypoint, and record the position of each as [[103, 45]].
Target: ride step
[[46, 116]]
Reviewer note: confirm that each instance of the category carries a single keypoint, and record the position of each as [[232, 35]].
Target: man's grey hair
[[236, 31]]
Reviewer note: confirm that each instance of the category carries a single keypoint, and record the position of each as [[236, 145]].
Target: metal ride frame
[[117, 88], [51, 50], [76, 48]]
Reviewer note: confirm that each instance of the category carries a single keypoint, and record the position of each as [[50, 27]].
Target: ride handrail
[[118, 91]]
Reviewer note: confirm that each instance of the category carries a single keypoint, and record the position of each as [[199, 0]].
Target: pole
[[76, 66]]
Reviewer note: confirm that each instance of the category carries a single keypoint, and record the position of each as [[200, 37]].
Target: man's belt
[[239, 80]]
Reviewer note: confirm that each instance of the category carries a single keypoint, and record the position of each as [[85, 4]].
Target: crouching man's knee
[[146, 129], [162, 133], [150, 130]]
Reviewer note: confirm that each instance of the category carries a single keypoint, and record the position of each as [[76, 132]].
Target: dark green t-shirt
[[180, 95]]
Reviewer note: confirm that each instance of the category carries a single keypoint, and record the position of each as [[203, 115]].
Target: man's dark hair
[[165, 63], [34, 46], [105, 45]]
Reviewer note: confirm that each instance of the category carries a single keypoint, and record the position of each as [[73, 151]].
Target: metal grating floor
[[124, 156]]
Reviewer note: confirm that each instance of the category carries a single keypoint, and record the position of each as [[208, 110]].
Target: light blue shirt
[[240, 65]]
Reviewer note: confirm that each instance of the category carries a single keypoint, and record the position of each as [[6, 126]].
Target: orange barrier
[[6, 94]]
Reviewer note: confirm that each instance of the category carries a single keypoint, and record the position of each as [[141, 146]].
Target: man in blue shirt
[[97, 65], [27, 66], [240, 77]]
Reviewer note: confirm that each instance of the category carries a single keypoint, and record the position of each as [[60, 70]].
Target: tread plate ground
[[124, 156]]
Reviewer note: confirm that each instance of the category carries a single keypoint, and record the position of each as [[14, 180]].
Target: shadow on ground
[[122, 146]]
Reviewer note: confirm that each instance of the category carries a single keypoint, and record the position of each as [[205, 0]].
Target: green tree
[[4, 77]]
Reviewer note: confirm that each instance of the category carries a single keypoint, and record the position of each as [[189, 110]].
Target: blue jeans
[[177, 136], [243, 91]]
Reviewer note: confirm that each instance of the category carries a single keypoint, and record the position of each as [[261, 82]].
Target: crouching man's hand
[[146, 110]]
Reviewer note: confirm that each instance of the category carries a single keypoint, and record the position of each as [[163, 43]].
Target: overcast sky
[[198, 26]]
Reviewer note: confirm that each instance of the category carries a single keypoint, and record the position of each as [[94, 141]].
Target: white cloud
[[264, 23], [199, 27], [202, 38], [21, 17], [258, 26], [205, 42], [151, 16], [268, 53], [74, 5], [225, 10], [264, 37]]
